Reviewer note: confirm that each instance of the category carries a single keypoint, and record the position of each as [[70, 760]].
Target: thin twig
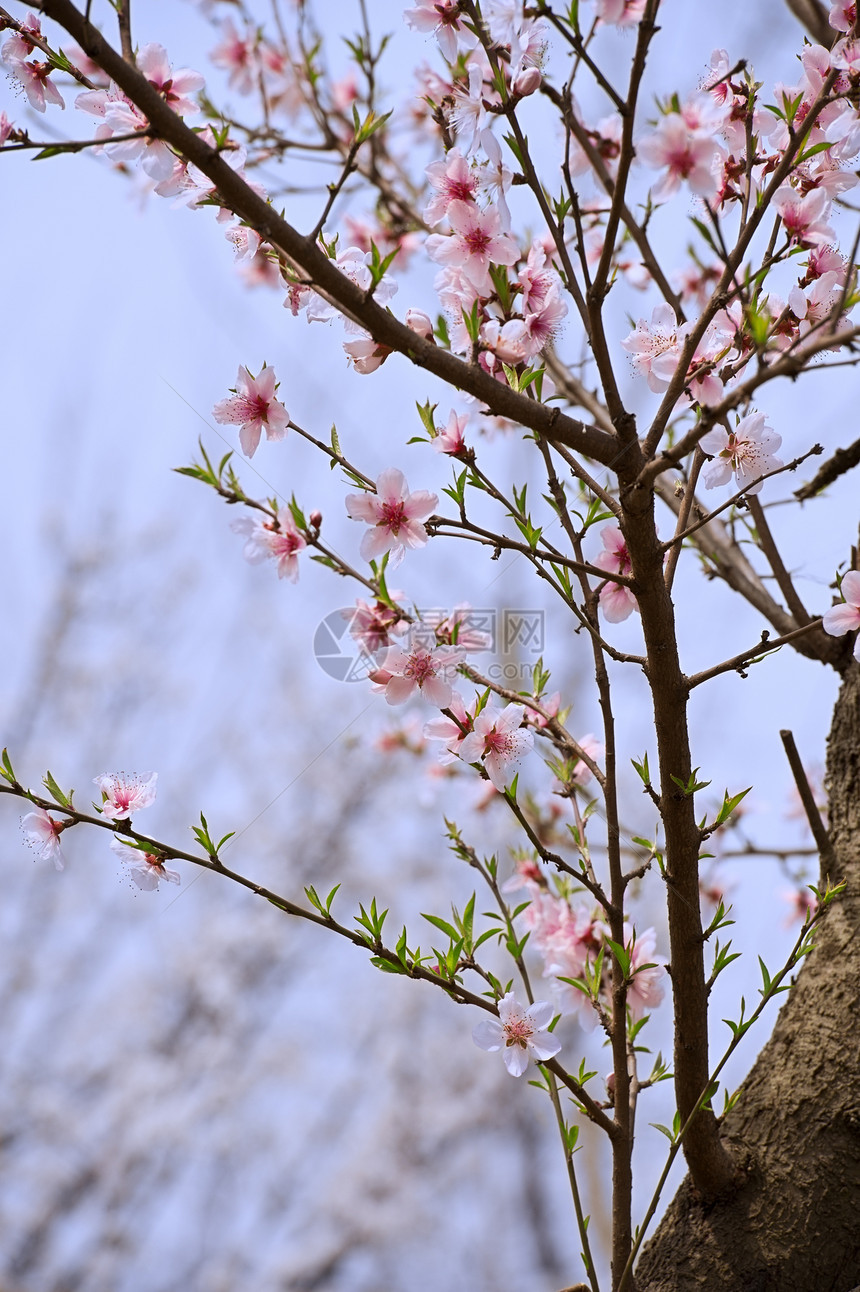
[[810, 807]]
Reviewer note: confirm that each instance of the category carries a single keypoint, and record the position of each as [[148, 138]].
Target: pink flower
[[802, 905], [120, 116], [550, 705], [246, 242], [537, 280], [285, 543], [498, 742], [843, 15], [542, 326], [395, 515], [374, 625], [35, 77], [475, 243], [42, 834], [468, 115], [746, 452], [355, 264], [495, 178], [616, 601], [527, 874], [280, 541], [174, 87], [566, 953], [646, 990], [454, 180], [6, 128], [458, 629], [236, 54], [145, 868], [589, 744], [452, 439], [452, 732], [655, 347], [125, 792], [18, 45], [622, 13], [803, 217], [445, 19], [516, 1032], [253, 406], [714, 349], [687, 155], [198, 187], [545, 916], [845, 617], [365, 355], [429, 670]]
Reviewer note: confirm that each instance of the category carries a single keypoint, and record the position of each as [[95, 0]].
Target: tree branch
[[320, 270]]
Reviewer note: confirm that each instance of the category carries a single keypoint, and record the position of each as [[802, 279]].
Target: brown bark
[[793, 1226], [711, 1166]]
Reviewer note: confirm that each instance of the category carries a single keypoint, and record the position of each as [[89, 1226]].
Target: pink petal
[[359, 506], [437, 691], [841, 619], [399, 690], [249, 436], [391, 485]]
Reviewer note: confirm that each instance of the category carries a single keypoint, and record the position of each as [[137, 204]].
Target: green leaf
[[729, 805], [54, 790], [621, 955], [425, 412], [387, 966], [442, 925]]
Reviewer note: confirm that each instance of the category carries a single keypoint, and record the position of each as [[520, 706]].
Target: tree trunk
[[794, 1225]]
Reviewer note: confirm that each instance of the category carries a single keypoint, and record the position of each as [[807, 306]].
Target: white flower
[[655, 347], [515, 1031], [145, 868], [42, 834], [747, 451], [125, 792]]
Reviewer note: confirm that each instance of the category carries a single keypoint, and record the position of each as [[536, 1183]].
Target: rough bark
[[793, 1226]]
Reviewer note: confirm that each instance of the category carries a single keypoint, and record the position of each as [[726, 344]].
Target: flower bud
[[315, 519], [527, 81], [420, 323]]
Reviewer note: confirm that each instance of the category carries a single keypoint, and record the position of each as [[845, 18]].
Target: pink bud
[[527, 82], [315, 519], [420, 323]]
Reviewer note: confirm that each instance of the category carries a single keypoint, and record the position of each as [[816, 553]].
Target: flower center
[[462, 190], [519, 1032], [477, 241], [420, 667], [393, 515], [498, 742]]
